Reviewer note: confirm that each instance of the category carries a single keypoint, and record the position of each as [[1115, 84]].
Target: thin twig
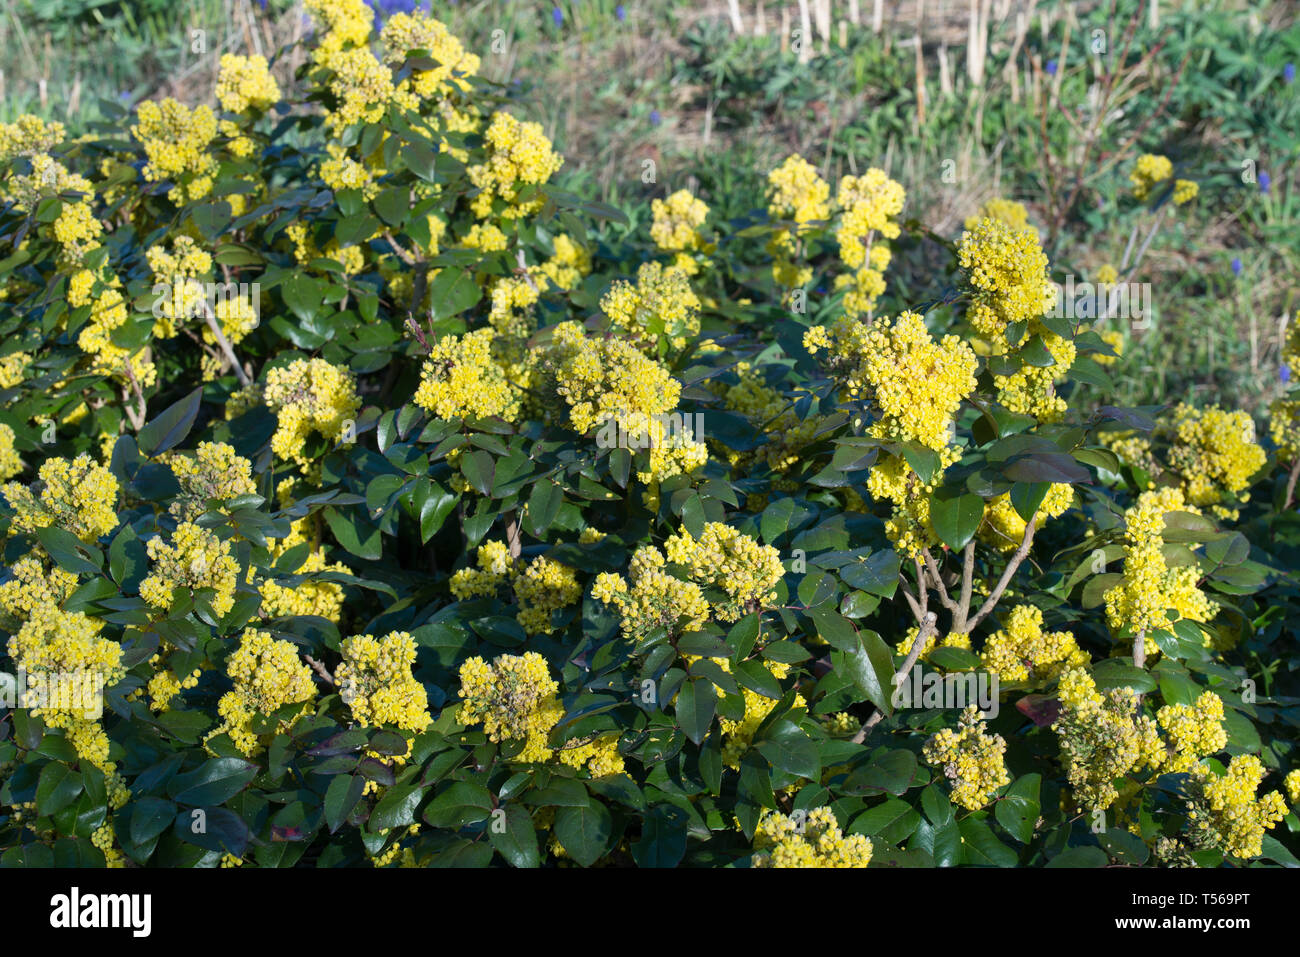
[[1007, 574], [320, 669]]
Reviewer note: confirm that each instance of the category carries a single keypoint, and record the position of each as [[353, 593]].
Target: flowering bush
[[371, 499]]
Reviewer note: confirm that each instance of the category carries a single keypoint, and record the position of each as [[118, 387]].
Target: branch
[[1290, 485], [320, 669], [938, 582], [215, 328], [402, 254], [135, 415], [1007, 574], [911, 599], [967, 581]]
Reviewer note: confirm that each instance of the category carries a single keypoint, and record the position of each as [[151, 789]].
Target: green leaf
[[1080, 857], [463, 803], [452, 292], [1018, 809], [479, 470], [57, 787], [169, 429], [983, 849], [870, 666], [663, 837], [696, 704], [216, 781], [513, 835], [396, 808], [341, 798], [956, 516], [788, 748], [150, 816], [584, 831]]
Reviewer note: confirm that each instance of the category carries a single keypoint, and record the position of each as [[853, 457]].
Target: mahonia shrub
[[374, 500]]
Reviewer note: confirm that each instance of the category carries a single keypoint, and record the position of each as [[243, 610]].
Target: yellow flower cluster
[[917, 385], [1194, 731], [1004, 528], [69, 666], [541, 586], [72, 662], [1149, 170], [267, 675], [796, 192], [376, 683], [347, 22], [176, 140], [952, 640], [1103, 737], [180, 271], [870, 204], [109, 312], [461, 379], [13, 369], [514, 698], [811, 841], [726, 559], [214, 471], [361, 84], [339, 172], [1007, 272], [77, 496], [1150, 588], [165, 684], [565, 269], [971, 760], [1215, 454], [1284, 413], [1224, 811], [29, 135], [1292, 784], [603, 378], [650, 598], [1022, 651], [245, 81], [321, 598], [677, 220], [518, 155], [10, 463], [660, 307], [1006, 211], [33, 586], [403, 32], [676, 226], [310, 395], [1185, 190], [506, 697], [196, 558]]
